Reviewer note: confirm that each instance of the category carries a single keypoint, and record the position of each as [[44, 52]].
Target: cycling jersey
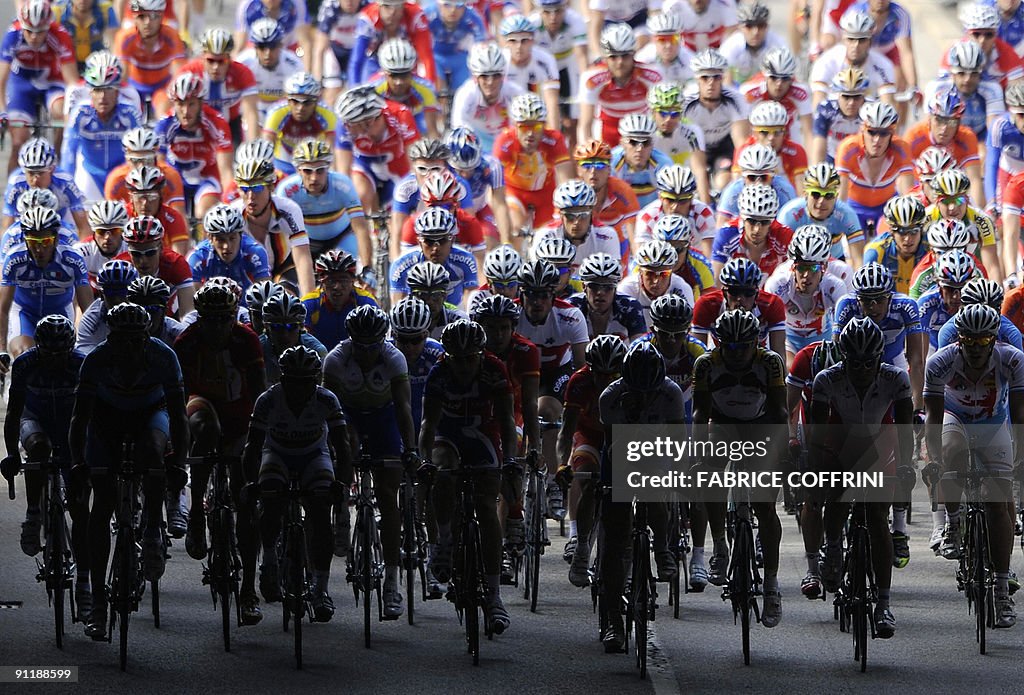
[[563, 328], [985, 103], [697, 272], [630, 286], [896, 26], [461, 267], [124, 391], [406, 199], [449, 314], [290, 15], [843, 222], [705, 29], [1013, 307], [715, 123], [661, 404], [488, 176], [420, 99], [170, 16], [488, 121], [174, 270], [680, 368], [530, 178], [172, 193], [923, 278], [287, 132], [744, 61], [800, 377], [220, 375], [37, 66], [840, 270], [92, 145], [626, 317], [69, 198], [792, 158], [226, 96], [194, 152], [730, 243], [340, 28], [611, 100], [984, 401], [1010, 30], [285, 230], [1002, 64], [631, 12], [869, 411], [326, 322], [13, 236], [451, 44], [963, 148], [878, 69], [271, 356], [94, 258], [702, 217], [522, 360], [175, 227], [769, 310], [1008, 333], [363, 390], [830, 123], [47, 394], [979, 225], [1004, 156], [581, 394], [86, 37], [42, 291], [808, 318], [249, 265], [901, 322], [469, 232], [294, 433], [540, 73], [680, 143], [934, 315], [148, 69], [270, 81], [883, 250], [729, 199], [1013, 196], [868, 194], [418, 371], [797, 101], [642, 181], [370, 35], [598, 240], [384, 161], [330, 214], [738, 396]]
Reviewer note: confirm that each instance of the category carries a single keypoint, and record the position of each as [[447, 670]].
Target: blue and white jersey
[[292, 14], [643, 181], [69, 196], [984, 401], [985, 103], [1010, 30], [14, 237], [487, 176], [93, 143], [1008, 333], [126, 388], [1004, 152], [48, 393], [934, 315], [461, 266], [843, 222], [49, 290], [456, 41], [728, 202], [407, 194], [627, 317], [339, 25], [250, 265], [329, 214], [418, 372], [902, 321], [830, 123]]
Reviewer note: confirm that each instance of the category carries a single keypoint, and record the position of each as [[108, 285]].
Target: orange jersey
[[1013, 307], [175, 227], [173, 192], [621, 206], [872, 191], [149, 68], [792, 156], [530, 172], [963, 148]]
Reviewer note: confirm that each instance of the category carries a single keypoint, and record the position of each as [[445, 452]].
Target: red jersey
[[730, 243], [612, 100], [387, 158], [769, 310], [194, 152], [174, 270], [469, 231], [582, 393], [413, 27], [792, 155], [1013, 307], [523, 362], [928, 260], [530, 172], [801, 377], [175, 227], [797, 99], [149, 68], [173, 192], [469, 406], [43, 63], [226, 97], [1013, 195]]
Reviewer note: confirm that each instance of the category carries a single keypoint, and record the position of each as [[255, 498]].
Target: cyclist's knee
[[37, 447]]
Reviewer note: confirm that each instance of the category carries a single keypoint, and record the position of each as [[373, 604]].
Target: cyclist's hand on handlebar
[[919, 417], [426, 472], [411, 459], [511, 467], [5, 362], [10, 466], [564, 475]]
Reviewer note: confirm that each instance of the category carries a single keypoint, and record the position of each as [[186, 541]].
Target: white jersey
[[540, 72], [599, 240], [676, 71], [708, 29], [486, 120], [663, 403], [833, 388], [572, 34], [94, 258], [564, 327], [625, 10], [292, 433], [270, 83], [686, 139], [745, 62], [841, 270], [286, 230], [808, 318], [879, 70], [361, 389], [985, 401], [630, 286], [717, 123]]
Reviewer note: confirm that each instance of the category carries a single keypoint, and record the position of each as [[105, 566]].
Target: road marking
[[659, 667]]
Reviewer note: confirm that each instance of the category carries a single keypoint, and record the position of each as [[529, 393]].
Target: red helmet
[[139, 230], [35, 14], [440, 188]]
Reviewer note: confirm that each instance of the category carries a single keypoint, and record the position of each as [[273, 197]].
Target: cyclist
[[140, 147], [634, 159], [952, 202], [757, 164], [665, 51], [875, 166], [91, 24], [677, 186], [575, 202], [602, 14], [296, 424], [776, 82], [269, 62], [144, 237], [36, 162], [372, 145], [954, 402], [616, 87], [255, 297], [274, 221], [932, 161], [858, 29], [1006, 135], [693, 267], [937, 306], [532, 68], [228, 251], [943, 129], [987, 292], [983, 98], [333, 39], [486, 181], [429, 283], [33, 197], [107, 219], [535, 160], [129, 390], [151, 50], [231, 84], [580, 442], [561, 30], [656, 262], [862, 394], [222, 366], [943, 236], [719, 111], [838, 116], [429, 158], [482, 103], [501, 273], [113, 280], [769, 120], [607, 311], [398, 82], [739, 383], [561, 253], [755, 233], [196, 141], [455, 27], [283, 318], [980, 22], [102, 63], [435, 229], [37, 63], [902, 247], [469, 421], [39, 277], [94, 129], [290, 14], [387, 19], [820, 205], [616, 205], [331, 209], [337, 295], [681, 140], [301, 117], [152, 294], [144, 186], [746, 48]]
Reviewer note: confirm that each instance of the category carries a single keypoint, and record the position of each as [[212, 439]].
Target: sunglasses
[[757, 178], [47, 240], [781, 78], [148, 253], [907, 231], [717, 77], [145, 195], [538, 294], [563, 269], [410, 339], [974, 340], [575, 215], [870, 299], [667, 38], [757, 222], [425, 170], [769, 131], [853, 96], [655, 274], [266, 46], [669, 114], [510, 285], [879, 132], [299, 100], [430, 294], [309, 171], [401, 74], [952, 200], [827, 195], [639, 144], [807, 267], [141, 159], [435, 243], [862, 364], [257, 188], [677, 198], [595, 164], [530, 127], [284, 327], [155, 308], [491, 76], [600, 288], [740, 345], [670, 335], [740, 291]]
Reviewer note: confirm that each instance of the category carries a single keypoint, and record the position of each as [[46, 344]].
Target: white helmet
[[657, 255], [359, 104], [148, 5], [302, 84], [556, 250], [502, 264], [396, 55], [574, 193], [36, 153], [35, 14], [254, 151], [965, 56], [223, 219], [601, 268], [954, 268], [769, 114], [188, 85], [878, 114], [673, 228], [487, 59], [977, 319], [108, 214], [948, 234], [857, 25], [758, 158], [618, 39], [809, 246], [38, 197], [978, 16], [637, 125], [675, 179], [708, 61], [217, 41], [758, 201], [527, 107], [665, 23], [779, 62], [140, 140]]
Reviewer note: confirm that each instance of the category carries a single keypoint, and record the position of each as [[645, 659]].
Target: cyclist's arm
[[564, 172], [580, 54], [401, 394], [551, 97], [585, 129], [794, 398], [906, 49], [504, 411], [699, 166], [917, 348], [579, 355], [81, 219], [343, 161], [251, 116], [321, 44], [990, 259], [338, 435], [993, 153], [740, 131], [818, 150], [570, 415], [5, 73], [973, 171], [594, 27], [225, 165], [904, 182], [934, 408], [530, 386], [241, 39], [83, 298], [303, 269], [397, 222], [856, 253], [12, 420], [81, 414], [305, 40], [431, 417], [186, 300], [1011, 249], [499, 206], [253, 450], [815, 430], [69, 71], [775, 407], [844, 187], [175, 398], [361, 228], [6, 300], [777, 343], [1016, 422], [903, 414]]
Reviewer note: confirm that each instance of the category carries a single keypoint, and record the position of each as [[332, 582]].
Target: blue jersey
[[903, 320], [830, 123], [418, 371], [69, 197], [291, 14], [325, 322], [456, 41], [842, 222], [1008, 333], [94, 144], [642, 182], [48, 394], [897, 25], [728, 202], [407, 194], [487, 176], [15, 237], [934, 315], [250, 265], [1010, 30], [1004, 153], [329, 214], [125, 388], [461, 266], [49, 290]]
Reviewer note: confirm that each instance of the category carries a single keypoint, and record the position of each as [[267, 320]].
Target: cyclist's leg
[[616, 522], [55, 104], [204, 430], [657, 518], [583, 459], [150, 447], [101, 451], [207, 195], [445, 456], [22, 99], [317, 476], [997, 454], [273, 481]]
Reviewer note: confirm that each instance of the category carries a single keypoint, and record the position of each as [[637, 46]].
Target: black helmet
[[367, 324], [462, 337], [643, 367], [605, 354], [55, 334], [299, 362]]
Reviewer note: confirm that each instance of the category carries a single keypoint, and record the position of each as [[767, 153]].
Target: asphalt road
[[553, 650]]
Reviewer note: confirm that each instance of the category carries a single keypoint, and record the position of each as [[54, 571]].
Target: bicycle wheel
[[54, 562], [640, 598], [123, 603], [220, 564], [536, 550], [468, 591], [740, 584], [861, 604], [297, 580], [154, 589], [366, 568], [409, 549], [978, 542]]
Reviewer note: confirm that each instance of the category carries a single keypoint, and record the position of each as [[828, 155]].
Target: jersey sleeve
[[257, 262], [705, 311]]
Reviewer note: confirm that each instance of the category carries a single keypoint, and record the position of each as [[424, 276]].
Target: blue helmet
[[740, 272], [464, 145], [516, 24], [946, 103], [114, 274]]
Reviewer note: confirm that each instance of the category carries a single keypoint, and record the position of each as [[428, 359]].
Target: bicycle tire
[[861, 604], [55, 545], [366, 569], [640, 599], [536, 551], [297, 580], [124, 591], [220, 564], [154, 590], [469, 592], [410, 549], [979, 545], [740, 580]]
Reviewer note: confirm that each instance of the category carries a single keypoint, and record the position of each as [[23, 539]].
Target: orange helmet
[[593, 149]]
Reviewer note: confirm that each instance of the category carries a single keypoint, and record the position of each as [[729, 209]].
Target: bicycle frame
[[366, 561], [293, 560], [468, 588], [642, 593], [744, 584], [414, 543], [858, 593], [535, 514], [974, 572]]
